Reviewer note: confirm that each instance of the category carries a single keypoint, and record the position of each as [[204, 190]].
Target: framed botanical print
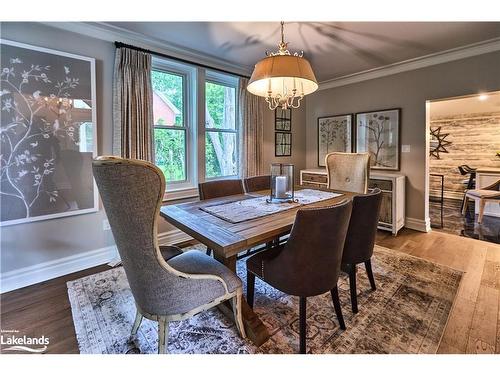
[[334, 134], [48, 133], [283, 119], [377, 132], [282, 144]]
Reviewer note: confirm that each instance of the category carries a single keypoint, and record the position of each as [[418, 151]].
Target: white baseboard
[[38, 273], [26, 276], [418, 224], [173, 237]]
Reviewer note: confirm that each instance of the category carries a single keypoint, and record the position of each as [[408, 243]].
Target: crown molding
[[112, 33], [487, 46]]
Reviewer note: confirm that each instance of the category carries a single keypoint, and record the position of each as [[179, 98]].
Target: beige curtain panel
[[132, 105], [252, 125]]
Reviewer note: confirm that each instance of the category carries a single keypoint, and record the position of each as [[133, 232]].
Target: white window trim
[[194, 114], [175, 190], [231, 81]]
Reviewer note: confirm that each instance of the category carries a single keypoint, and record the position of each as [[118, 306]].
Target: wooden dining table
[[227, 239]]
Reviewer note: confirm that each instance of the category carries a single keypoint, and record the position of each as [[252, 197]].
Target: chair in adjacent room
[[167, 284], [487, 194], [360, 239], [348, 171], [308, 264], [218, 189], [257, 183]]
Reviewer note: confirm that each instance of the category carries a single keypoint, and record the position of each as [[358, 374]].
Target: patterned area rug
[[406, 314], [252, 208]]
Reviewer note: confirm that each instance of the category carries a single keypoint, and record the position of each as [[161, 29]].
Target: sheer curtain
[[251, 115], [132, 105]]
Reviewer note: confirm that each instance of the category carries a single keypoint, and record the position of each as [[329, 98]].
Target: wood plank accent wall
[[475, 138]]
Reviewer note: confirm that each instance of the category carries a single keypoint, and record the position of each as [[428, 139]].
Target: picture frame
[[282, 144], [378, 132], [49, 117], [283, 119], [335, 134]]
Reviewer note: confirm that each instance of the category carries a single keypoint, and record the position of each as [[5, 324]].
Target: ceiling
[[334, 49], [481, 103]]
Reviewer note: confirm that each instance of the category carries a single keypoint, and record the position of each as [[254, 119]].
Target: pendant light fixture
[[283, 78]]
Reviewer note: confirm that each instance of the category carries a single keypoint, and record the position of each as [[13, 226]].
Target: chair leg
[[464, 205], [137, 322], [238, 318], [250, 288], [302, 324], [162, 336], [482, 203], [336, 305], [369, 272], [209, 251], [352, 285]]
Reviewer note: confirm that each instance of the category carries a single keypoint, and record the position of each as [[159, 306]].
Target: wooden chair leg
[[352, 285], [369, 272], [464, 205], [209, 251], [336, 305], [137, 322], [302, 324], [482, 203], [162, 336], [238, 318], [250, 288]]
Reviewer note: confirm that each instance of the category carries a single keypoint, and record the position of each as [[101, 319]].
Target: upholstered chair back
[[132, 193], [362, 230], [220, 188], [348, 171], [310, 261], [257, 183]]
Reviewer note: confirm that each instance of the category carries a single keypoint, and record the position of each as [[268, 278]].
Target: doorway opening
[[463, 154]]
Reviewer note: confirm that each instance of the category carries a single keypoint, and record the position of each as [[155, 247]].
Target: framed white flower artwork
[[47, 134]]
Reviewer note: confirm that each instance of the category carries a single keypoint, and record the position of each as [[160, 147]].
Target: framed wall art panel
[[48, 134], [377, 132], [334, 134]]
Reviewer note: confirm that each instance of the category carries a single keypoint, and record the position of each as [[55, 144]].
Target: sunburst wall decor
[[438, 142]]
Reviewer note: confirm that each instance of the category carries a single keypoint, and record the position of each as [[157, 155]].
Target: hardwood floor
[[473, 326]]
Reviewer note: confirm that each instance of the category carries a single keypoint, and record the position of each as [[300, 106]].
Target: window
[[221, 131], [170, 138], [180, 91]]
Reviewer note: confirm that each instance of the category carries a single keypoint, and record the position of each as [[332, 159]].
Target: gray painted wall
[[29, 244], [408, 90]]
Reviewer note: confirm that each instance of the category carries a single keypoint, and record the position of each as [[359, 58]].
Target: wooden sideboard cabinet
[[392, 211]]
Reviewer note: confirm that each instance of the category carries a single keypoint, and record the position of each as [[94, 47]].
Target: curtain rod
[[124, 45]]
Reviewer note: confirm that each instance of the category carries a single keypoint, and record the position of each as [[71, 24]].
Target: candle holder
[[281, 183]]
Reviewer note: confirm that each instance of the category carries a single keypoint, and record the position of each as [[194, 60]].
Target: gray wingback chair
[[348, 171], [164, 289]]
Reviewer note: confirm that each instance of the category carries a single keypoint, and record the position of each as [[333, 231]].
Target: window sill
[[178, 194]]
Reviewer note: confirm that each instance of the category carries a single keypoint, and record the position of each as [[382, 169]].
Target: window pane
[[170, 153], [220, 106], [220, 153], [168, 98]]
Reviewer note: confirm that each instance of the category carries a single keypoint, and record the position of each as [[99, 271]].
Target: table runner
[[252, 208]]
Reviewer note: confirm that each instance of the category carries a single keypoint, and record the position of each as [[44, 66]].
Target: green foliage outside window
[[170, 144]]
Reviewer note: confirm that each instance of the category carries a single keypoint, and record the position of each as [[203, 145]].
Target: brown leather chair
[[308, 264], [217, 189], [358, 247], [220, 188], [257, 183]]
